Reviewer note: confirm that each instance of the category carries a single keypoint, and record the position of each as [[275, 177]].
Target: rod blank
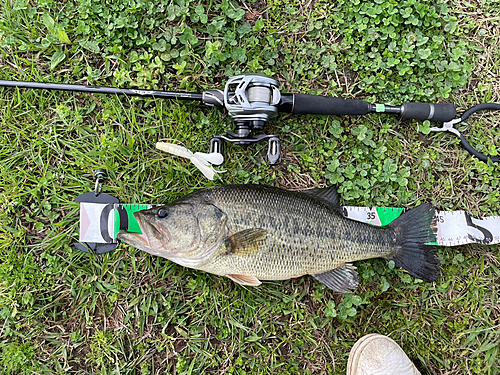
[[102, 90]]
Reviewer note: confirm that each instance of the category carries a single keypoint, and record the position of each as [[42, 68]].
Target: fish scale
[[304, 236]]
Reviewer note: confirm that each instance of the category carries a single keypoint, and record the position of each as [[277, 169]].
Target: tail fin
[[413, 230]]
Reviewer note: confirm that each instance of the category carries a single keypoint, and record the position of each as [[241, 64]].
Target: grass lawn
[[126, 312]]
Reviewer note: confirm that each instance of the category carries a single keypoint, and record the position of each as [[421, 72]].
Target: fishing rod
[[253, 99]]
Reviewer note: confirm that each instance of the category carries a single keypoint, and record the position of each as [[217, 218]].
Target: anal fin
[[245, 280], [343, 279]]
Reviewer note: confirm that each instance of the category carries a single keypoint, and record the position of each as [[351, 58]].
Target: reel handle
[[273, 149]]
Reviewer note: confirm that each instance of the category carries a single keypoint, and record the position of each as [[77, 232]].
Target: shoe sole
[[359, 346], [356, 351]]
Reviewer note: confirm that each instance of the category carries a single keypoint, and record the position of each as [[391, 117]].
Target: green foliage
[[143, 38], [363, 165], [16, 358], [403, 51], [346, 309]]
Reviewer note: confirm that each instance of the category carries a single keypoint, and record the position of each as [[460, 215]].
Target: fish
[[252, 233]]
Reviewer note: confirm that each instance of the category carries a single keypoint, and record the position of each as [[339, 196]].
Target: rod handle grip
[[326, 105], [438, 112]]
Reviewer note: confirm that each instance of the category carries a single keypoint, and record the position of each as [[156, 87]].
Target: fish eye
[[162, 213]]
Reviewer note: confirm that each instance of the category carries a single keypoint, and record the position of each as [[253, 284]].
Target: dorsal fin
[[328, 195]]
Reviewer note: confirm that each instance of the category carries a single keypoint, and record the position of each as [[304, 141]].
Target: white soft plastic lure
[[201, 160]]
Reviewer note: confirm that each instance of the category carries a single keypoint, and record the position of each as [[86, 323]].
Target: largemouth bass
[[250, 233]]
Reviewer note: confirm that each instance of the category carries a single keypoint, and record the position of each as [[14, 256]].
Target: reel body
[[251, 100]]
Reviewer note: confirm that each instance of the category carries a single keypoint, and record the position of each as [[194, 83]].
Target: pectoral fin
[[343, 279], [245, 280], [245, 243]]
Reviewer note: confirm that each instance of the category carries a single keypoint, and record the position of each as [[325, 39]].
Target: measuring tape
[[100, 223], [454, 227]]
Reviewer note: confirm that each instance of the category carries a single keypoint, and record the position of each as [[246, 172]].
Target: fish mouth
[[143, 240], [138, 240]]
